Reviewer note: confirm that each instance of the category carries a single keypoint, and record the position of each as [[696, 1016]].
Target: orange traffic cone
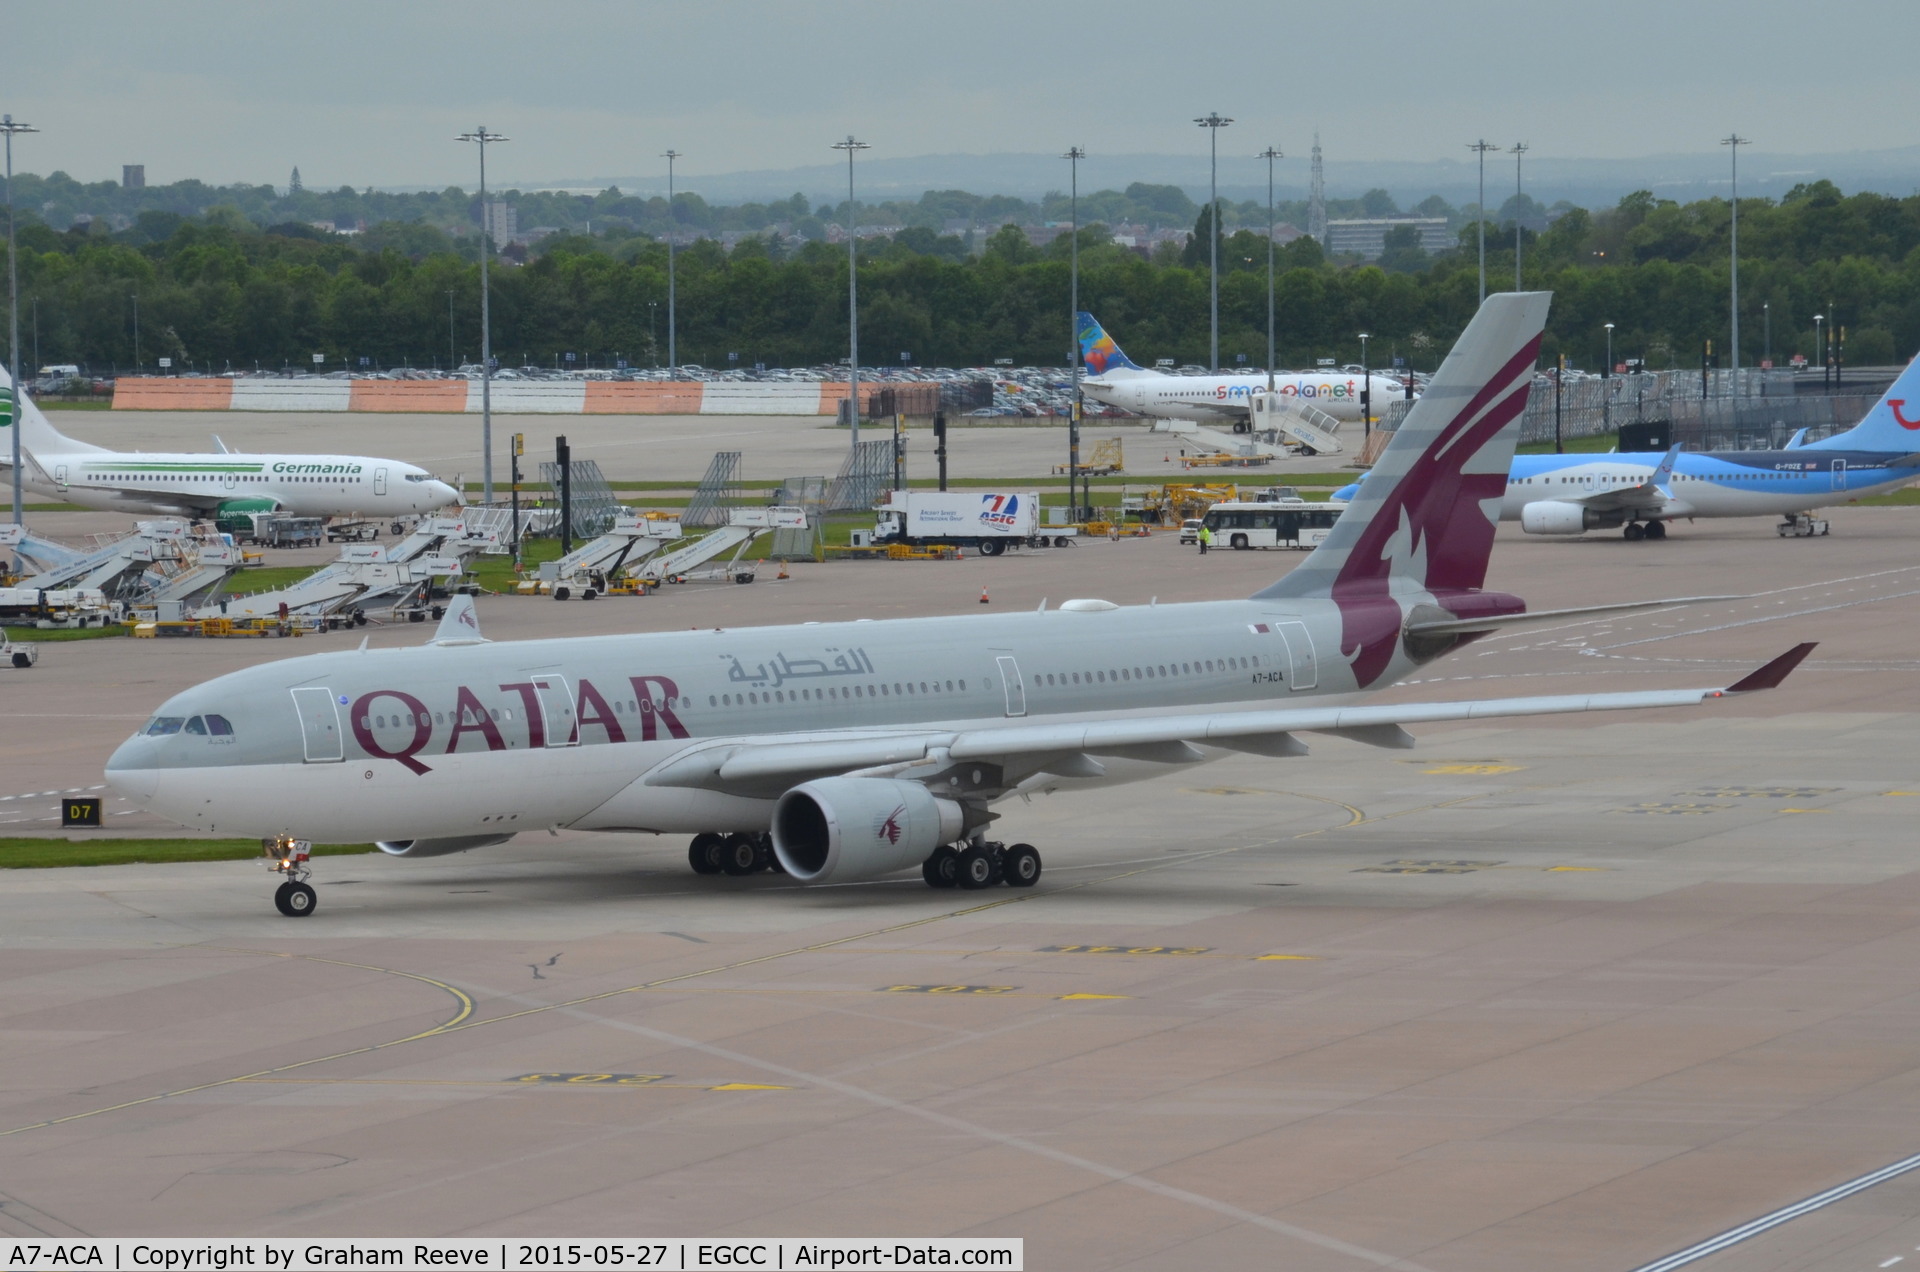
[[983, 597], [783, 569]]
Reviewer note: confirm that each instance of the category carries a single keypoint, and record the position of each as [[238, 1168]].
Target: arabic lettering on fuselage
[[782, 667]]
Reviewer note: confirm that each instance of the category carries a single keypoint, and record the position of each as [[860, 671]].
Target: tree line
[[217, 291]]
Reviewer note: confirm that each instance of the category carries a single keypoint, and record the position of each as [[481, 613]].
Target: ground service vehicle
[[984, 521], [1283, 522]]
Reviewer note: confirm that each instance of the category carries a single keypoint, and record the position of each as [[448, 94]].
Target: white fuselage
[[185, 483], [1200, 397]]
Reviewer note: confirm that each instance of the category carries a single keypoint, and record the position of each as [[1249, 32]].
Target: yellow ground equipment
[[1105, 460]]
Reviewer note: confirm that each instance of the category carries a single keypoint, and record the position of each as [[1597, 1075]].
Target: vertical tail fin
[[36, 435], [1098, 353], [1423, 520], [1892, 425]]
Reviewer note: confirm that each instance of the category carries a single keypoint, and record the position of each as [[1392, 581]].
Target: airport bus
[[1278, 520]]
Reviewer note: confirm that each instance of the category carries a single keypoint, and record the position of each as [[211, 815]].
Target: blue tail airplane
[[1640, 492]]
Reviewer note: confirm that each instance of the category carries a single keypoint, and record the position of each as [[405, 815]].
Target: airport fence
[[1766, 414]]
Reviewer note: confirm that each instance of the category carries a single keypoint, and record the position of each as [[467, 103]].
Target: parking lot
[[1545, 993]]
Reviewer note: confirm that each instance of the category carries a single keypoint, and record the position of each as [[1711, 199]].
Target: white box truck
[[986, 521]]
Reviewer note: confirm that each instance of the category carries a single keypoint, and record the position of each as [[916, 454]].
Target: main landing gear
[[294, 898], [1634, 531], [982, 865], [736, 855]]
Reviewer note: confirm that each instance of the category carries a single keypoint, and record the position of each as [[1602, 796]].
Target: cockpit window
[[161, 726], [218, 727], [197, 727], [418, 477]]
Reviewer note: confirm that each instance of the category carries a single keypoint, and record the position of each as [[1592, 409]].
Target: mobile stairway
[[589, 569], [367, 577], [744, 525]]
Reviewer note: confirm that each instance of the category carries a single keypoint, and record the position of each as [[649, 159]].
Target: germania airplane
[[850, 751], [186, 484], [1640, 492], [1113, 378]]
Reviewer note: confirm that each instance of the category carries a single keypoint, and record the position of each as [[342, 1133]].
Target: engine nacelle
[[1552, 516], [437, 847], [840, 829]]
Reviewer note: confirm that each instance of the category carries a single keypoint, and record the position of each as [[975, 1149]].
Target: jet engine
[[437, 847], [842, 829], [1551, 516]]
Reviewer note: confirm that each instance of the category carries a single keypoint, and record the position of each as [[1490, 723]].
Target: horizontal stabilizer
[[1501, 622]]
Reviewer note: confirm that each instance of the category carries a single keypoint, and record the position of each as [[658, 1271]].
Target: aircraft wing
[[764, 769], [1650, 495]]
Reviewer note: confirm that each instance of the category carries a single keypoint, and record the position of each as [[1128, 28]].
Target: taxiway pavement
[[1561, 993]]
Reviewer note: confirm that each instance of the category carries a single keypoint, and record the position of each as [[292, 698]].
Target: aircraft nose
[[443, 494], [133, 769]]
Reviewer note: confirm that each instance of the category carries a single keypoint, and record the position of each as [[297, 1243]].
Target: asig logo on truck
[[1000, 511]]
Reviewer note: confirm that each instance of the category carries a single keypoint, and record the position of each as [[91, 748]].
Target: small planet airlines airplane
[[1114, 379], [850, 751], [1640, 492], [205, 485]]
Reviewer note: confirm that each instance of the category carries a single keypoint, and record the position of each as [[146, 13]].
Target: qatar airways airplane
[[849, 751], [1114, 378], [188, 484]]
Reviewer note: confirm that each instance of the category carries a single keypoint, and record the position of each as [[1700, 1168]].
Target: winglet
[[220, 445], [460, 625], [1770, 676], [1664, 473]]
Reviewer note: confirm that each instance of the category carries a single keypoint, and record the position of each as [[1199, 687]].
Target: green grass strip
[[41, 854]]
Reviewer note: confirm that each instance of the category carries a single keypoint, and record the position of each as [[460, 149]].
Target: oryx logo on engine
[[889, 827]]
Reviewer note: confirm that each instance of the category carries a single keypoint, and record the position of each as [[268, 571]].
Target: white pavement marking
[[1754, 1227]]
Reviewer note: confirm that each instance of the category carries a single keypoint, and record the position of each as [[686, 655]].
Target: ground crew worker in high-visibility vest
[[1206, 539]]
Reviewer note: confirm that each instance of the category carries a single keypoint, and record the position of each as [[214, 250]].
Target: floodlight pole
[[1481, 147], [1073, 157], [1270, 154], [8, 126], [1213, 122], [852, 147], [673, 352], [1518, 152], [1733, 142], [481, 136]]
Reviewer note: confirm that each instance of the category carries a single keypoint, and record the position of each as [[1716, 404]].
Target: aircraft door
[[1839, 474], [1014, 687], [379, 481], [60, 476], [1303, 666], [556, 706], [319, 725]]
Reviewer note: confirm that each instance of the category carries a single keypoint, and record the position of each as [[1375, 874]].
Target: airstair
[[367, 577], [633, 539], [744, 525], [115, 567], [1282, 418]]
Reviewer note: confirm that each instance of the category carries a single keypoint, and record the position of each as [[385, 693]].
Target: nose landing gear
[[294, 898]]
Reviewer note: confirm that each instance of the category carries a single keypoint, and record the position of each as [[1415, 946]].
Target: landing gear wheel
[[704, 854], [295, 899], [976, 869], [942, 869], [1022, 863], [1656, 529], [740, 855], [1633, 532]]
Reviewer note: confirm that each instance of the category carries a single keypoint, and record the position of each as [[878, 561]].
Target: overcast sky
[[371, 92]]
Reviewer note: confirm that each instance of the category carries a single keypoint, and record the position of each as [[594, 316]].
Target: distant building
[[133, 176], [502, 222], [1367, 238]]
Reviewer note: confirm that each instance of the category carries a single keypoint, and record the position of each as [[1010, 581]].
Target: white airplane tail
[[1892, 425], [37, 437]]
